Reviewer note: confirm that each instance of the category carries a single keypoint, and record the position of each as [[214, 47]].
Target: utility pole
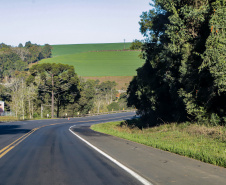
[[41, 111], [124, 44], [52, 98]]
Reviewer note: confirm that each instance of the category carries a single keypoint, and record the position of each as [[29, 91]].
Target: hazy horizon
[[58, 22]]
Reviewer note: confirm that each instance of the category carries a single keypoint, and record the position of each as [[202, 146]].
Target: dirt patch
[[122, 81]]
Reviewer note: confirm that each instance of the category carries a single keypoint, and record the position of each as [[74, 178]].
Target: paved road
[[157, 166], [52, 155], [45, 152]]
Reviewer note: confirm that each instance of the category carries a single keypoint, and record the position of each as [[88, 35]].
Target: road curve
[[46, 152], [52, 155]]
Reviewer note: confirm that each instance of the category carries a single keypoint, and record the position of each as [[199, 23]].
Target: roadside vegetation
[[122, 81], [184, 74], [204, 143], [8, 118], [55, 89]]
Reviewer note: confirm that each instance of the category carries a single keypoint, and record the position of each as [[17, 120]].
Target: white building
[[1, 107]]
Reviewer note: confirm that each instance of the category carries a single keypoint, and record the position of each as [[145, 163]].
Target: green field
[[59, 50], [105, 63]]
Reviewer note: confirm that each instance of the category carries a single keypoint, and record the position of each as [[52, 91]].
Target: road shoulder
[[155, 165]]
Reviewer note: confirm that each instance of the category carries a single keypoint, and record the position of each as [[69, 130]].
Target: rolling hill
[[99, 61], [105, 63], [59, 50]]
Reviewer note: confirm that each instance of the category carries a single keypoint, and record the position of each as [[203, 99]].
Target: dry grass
[[217, 132], [122, 81], [8, 118]]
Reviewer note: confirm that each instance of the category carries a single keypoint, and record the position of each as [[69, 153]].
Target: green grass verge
[[107, 63], [59, 50], [8, 118], [207, 144]]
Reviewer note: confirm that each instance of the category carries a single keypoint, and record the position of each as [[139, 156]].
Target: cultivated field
[[59, 50], [106, 63], [99, 61]]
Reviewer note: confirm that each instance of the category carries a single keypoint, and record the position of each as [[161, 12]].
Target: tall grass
[[8, 118], [207, 144]]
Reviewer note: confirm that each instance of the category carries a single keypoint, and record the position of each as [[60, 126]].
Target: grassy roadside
[[5, 119], [8, 119], [207, 144]]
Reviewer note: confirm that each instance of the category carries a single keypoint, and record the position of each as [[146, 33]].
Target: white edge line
[[134, 174]]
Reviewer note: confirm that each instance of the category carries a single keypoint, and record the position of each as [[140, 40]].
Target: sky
[[70, 21]]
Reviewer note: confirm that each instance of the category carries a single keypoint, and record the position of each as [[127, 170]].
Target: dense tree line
[[55, 90], [52, 89], [13, 59], [96, 97], [184, 76]]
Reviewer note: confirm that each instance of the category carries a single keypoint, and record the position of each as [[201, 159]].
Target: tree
[[20, 45], [214, 61], [149, 91], [184, 72], [18, 95], [87, 95], [58, 80], [37, 52], [23, 53], [34, 53], [114, 106], [46, 51], [14, 59], [107, 89], [136, 45], [5, 96], [28, 44], [31, 96], [10, 61], [122, 101]]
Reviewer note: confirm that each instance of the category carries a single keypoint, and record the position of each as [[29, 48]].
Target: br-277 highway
[[67, 152]]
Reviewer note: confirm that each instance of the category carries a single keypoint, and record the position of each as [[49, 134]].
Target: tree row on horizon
[[14, 60]]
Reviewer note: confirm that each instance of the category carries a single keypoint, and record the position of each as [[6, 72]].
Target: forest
[[184, 76], [15, 59]]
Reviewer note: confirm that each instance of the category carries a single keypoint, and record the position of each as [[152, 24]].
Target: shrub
[[113, 106]]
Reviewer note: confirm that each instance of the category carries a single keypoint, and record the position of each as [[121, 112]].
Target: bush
[[113, 106]]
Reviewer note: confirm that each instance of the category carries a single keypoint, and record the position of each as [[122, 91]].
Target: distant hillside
[[104, 63], [99, 61], [59, 50]]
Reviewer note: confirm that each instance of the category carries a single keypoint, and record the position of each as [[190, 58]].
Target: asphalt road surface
[[45, 152], [52, 155]]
